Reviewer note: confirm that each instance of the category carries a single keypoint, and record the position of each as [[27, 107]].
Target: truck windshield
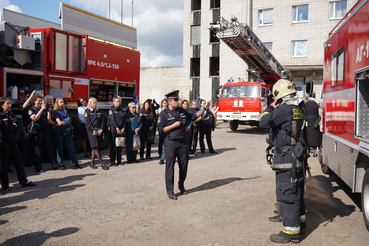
[[241, 91]]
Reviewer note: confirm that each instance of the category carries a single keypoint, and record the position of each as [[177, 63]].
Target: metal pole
[[121, 13], [109, 9], [132, 13]]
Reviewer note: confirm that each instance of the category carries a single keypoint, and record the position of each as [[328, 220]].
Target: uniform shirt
[[81, 114], [61, 114], [116, 117], [147, 120], [25, 117], [94, 120], [132, 122], [6, 125], [282, 117], [167, 117], [42, 121]]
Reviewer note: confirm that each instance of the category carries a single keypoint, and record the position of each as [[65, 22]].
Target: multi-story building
[[293, 30]]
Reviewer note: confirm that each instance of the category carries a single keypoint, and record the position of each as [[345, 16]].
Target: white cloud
[[6, 4], [159, 26]]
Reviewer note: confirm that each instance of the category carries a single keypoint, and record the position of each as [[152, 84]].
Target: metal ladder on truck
[[244, 42]]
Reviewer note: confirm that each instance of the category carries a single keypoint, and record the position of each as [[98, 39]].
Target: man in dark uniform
[[285, 120], [172, 122], [116, 123]]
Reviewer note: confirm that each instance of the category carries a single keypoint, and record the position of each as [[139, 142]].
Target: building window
[[338, 67], [265, 17], [337, 10], [195, 5], [213, 36], [300, 13], [195, 35], [214, 4], [195, 67], [214, 66], [216, 15], [299, 48], [269, 46]]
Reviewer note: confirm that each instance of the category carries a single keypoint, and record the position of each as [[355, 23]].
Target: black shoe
[[77, 165], [172, 196], [135, 161], [59, 167], [104, 167], [284, 238], [213, 152], [112, 164], [28, 184], [6, 189], [183, 191], [121, 163], [149, 158], [141, 158], [202, 152], [39, 170], [27, 164], [161, 162], [276, 218], [93, 166]]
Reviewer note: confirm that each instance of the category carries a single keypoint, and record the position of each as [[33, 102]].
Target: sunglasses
[[133, 107]]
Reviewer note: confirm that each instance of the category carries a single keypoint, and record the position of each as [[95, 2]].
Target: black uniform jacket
[[116, 117], [94, 120], [167, 117], [7, 128], [147, 120]]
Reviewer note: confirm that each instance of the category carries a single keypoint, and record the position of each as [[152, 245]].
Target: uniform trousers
[[291, 205], [143, 143], [131, 155], [42, 142], [205, 129], [115, 152], [10, 151], [195, 136], [60, 140], [175, 149], [161, 143]]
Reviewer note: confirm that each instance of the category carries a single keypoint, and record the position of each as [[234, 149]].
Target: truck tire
[[325, 169], [76, 130], [105, 143], [233, 125], [365, 199]]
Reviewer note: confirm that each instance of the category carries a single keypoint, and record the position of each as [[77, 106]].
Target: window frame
[[270, 50], [262, 10], [297, 21], [334, 66], [329, 10], [193, 26], [292, 53]]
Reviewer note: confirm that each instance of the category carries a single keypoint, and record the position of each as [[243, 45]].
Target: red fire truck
[[345, 105], [243, 102], [67, 65]]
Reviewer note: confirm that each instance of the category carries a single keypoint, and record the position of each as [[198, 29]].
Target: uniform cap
[[174, 95]]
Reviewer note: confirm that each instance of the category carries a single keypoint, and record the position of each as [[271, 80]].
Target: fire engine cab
[[345, 105], [72, 63], [243, 102]]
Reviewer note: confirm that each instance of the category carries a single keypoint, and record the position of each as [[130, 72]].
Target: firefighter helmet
[[283, 88]]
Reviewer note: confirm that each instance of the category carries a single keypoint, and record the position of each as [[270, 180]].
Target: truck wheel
[[325, 169], [105, 143], [233, 125], [365, 199], [76, 130]]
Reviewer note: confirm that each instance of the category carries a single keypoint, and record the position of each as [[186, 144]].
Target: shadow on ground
[[217, 183], [321, 205], [39, 238]]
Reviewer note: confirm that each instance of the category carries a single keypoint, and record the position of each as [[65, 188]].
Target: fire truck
[[68, 65], [241, 103], [345, 105]]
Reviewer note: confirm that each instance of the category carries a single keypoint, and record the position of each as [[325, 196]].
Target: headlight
[[219, 116]]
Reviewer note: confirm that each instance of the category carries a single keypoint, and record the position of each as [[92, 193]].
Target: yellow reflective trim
[[297, 115], [303, 220], [265, 112], [292, 233], [306, 124]]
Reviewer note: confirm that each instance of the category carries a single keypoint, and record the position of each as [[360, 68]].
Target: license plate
[[235, 116]]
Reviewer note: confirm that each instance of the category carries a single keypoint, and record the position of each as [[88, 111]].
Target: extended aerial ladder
[[244, 42]]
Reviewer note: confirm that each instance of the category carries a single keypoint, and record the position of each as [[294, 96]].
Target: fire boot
[[284, 238], [276, 218]]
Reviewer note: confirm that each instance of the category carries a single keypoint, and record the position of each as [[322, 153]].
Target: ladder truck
[[241, 103]]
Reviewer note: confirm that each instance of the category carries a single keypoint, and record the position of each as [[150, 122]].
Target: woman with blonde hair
[[94, 126], [63, 132], [133, 127]]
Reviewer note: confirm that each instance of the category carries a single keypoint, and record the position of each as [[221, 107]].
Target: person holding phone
[[94, 126], [24, 104], [42, 140], [8, 145]]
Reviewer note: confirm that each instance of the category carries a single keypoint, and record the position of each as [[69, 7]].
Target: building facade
[[293, 30]]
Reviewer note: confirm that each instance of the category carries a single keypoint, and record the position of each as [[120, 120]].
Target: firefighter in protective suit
[[284, 118]]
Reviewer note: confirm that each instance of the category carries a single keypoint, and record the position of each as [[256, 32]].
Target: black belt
[[283, 150]]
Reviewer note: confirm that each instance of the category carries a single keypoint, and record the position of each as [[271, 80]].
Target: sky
[[159, 23]]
